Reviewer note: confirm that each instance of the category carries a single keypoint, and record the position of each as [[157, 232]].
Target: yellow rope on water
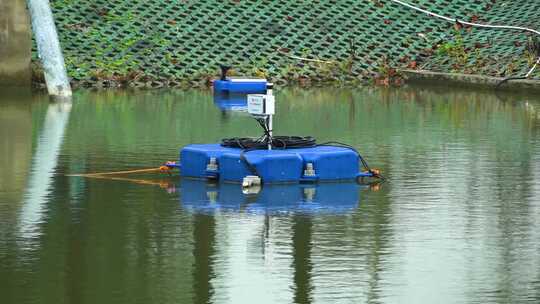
[[101, 174], [161, 183]]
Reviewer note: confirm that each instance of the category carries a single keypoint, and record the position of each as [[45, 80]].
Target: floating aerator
[[269, 158]]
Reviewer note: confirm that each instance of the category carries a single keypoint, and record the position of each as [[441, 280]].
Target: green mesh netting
[[170, 42]]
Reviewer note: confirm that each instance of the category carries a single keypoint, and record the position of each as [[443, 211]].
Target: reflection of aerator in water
[[230, 93], [231, 102], [328, 198]]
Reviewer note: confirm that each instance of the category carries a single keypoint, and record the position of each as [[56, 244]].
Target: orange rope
[[160, 183], [100, 174]]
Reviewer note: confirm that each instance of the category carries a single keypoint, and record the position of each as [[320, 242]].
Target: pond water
[[458, 220]]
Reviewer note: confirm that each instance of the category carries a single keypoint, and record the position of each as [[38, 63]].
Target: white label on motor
[[256, 104]]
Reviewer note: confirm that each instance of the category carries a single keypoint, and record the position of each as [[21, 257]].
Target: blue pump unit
[[325, 198], [312, 164], [238, 85]]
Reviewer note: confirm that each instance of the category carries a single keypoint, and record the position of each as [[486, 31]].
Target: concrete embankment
[[15, 43], [479, 81]]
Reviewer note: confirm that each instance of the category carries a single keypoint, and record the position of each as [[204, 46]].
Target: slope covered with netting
[[170, 42]]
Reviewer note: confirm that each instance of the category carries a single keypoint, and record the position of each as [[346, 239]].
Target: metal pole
[[49, 50], [270, 126], [270, 92]]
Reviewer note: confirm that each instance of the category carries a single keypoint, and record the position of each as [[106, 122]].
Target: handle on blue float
[[170, 165], [371, 173], [365, 174]]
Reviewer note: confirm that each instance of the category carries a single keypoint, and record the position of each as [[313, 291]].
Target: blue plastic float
[[320, 163]]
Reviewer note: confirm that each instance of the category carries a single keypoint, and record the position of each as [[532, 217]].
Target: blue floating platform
[[328, 163], [240, 85], [325, 198]]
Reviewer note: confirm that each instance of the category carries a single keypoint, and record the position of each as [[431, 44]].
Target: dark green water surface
[[457, 222]]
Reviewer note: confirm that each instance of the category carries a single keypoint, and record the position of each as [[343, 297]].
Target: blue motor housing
[[327, 198], [240, 85], [328, 163]]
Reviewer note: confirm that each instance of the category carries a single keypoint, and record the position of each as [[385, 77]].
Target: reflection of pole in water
[[43, 164], [224, 117], [204, 236], [352, 108], [301, 242]]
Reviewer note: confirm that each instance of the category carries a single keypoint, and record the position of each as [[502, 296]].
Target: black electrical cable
[[533, 47], [283, 142], [278, 142], [336, 143], [500, 83]]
